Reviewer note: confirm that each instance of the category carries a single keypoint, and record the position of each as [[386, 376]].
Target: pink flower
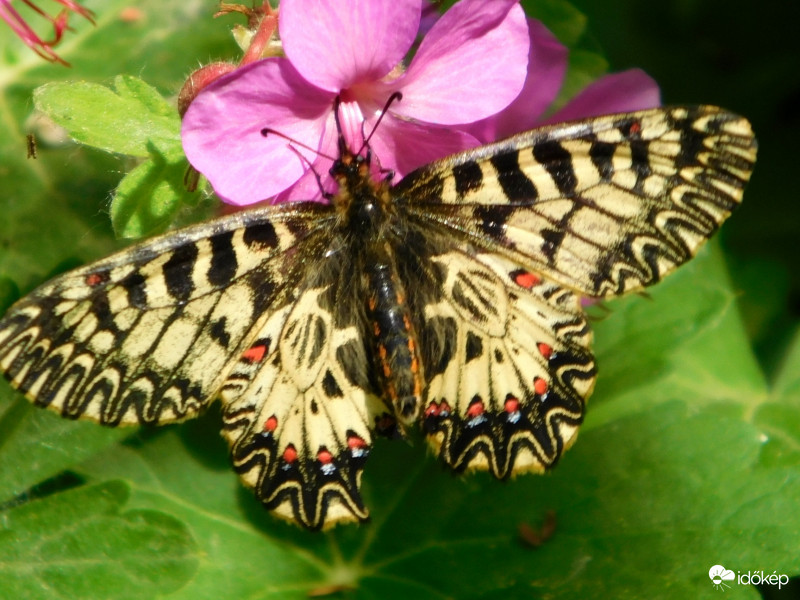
[[470, 65], [547, 65], [29, 36], [618, 92]]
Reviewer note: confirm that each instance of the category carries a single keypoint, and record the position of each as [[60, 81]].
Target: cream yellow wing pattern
[[299, 412], [603, 206], [525, 227], [147, 335], [508, 365]]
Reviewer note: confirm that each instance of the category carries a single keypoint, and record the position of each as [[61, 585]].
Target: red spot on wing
[[355, 442], [545, 349], [95, 279], [271, 424], [525, 279], [255, 353], [636, 127], [438, 409], [324, 456], [475, 408], [290, 454], [511, 405], [540, 386]]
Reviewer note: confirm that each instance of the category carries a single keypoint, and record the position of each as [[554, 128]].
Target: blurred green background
[[744, 56]]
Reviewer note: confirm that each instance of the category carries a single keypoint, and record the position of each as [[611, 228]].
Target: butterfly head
[[362, 198], [351, 170]]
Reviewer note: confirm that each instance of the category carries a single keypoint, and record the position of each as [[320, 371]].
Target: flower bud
[[200, 79]]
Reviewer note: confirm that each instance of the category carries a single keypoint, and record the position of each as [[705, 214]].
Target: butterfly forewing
[[147, 335], [603, 206], [468, 274]]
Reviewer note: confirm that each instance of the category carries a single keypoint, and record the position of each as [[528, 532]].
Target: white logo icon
[[719, 575]]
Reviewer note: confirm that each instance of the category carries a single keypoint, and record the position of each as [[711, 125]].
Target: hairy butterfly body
[[451, 299]]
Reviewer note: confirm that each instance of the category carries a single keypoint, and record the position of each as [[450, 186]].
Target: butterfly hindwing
[[147, 335], [508, 365], [603, 206], [299, 414]]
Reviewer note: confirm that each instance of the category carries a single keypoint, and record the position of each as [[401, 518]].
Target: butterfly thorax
[[366, 218]]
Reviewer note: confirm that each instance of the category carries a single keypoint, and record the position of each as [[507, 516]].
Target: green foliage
[[134, 120], [79, 544], [689, 456], [570, 26], [123, 120]]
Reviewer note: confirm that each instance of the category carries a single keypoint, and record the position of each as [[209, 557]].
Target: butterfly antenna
[[266, 131], [395, 97], [292, 146]]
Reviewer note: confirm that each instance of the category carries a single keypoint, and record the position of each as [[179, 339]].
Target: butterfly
[[451, 300]]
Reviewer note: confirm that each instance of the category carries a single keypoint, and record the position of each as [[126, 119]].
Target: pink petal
[[547, 65], [337, 43], [308, 186], [403, 146], [472, 63], [430, 14], [353, 123], [74, 6], [619, 92], [222, 130]]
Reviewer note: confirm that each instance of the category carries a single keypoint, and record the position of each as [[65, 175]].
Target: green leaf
[[79, 544], [136, 90], [787, 383], [9, 293], [36, 445], [125, 121], [148, 197], [561, 17], [585, 66], [135, 120]]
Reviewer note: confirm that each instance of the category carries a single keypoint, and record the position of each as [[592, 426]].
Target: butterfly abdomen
[[395, 341]]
